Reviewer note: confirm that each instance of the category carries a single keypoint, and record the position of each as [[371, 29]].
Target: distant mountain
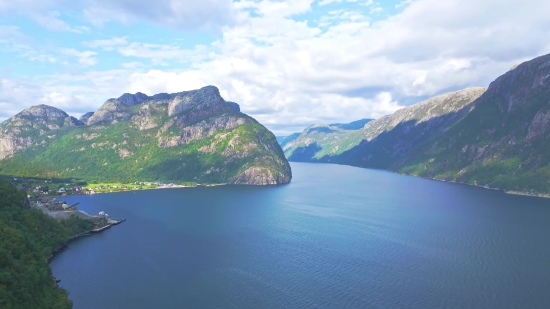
[[288, 139], [497, 137], [320, 140], [355, 125], [191, 136], [280, 139]]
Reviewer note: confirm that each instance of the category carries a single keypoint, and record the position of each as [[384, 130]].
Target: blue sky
[[288, 63]]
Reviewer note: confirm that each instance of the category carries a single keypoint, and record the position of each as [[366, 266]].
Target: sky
[[288, 63]]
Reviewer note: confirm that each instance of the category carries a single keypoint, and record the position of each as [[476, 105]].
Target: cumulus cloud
[[17, 94], [289, 72]]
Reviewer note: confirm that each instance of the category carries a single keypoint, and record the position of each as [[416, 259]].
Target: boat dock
[[110, 222]]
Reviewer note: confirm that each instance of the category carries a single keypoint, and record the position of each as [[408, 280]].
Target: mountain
[[354, 125], [503, 142], [191, 136], [321, 140], [288, 139], [495, 137]]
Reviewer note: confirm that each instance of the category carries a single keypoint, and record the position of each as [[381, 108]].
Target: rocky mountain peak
[[207, 99], [43, 115], [44, 111], [517, 84], [183, 101], [133, 99], [234, 106]]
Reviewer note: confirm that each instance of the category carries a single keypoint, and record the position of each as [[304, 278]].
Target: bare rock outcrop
[[439, 105], [187, 100], [31, 127], [256, 176]]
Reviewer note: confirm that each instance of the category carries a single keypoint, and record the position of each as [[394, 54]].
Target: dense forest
[[27, 238]]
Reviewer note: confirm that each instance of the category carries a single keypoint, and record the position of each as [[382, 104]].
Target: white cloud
[[12, 34], [85, 58], [108, 44], [12, 40], [133, 65], [274, 8], [367, 3], [159, 52], [17, 94], [51, 21], [39, 11], [182, 15], [403, 3], [327, 2]]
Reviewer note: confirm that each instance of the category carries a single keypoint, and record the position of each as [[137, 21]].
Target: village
[[49, 187]]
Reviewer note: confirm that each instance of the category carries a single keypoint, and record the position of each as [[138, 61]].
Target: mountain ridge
[[191, 136]]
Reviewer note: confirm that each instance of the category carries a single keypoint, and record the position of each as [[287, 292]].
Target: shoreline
[[60, 249], [511, 192], [134, 190]]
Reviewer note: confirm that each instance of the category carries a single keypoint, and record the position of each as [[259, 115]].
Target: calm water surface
[[336, 237]]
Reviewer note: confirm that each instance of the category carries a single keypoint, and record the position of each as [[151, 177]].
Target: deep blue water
[[336, 237]]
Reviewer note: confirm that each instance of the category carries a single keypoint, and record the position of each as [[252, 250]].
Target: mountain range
[[495, 137], [192, 136]]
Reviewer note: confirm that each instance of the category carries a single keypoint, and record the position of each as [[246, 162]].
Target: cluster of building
[[53, 204], [61, 190]]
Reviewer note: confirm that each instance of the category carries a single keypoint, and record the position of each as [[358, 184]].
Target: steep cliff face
[[37, 125], [191, 136], [504, 142]]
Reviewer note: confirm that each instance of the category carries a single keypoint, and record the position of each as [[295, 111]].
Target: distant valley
[[495, 137]]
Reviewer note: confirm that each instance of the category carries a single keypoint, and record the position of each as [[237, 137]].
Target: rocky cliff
[[191, 136]]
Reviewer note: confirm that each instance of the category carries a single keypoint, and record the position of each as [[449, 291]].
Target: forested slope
[[27, 238]]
